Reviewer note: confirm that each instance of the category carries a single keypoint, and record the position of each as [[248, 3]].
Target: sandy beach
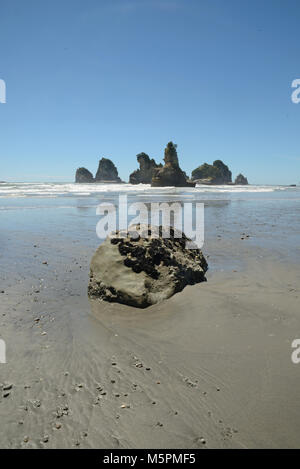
[[149, 227], [209, 368]]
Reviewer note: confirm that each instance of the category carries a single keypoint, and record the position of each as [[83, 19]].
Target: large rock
[[241, 180], [107, 172], [217, 173], [140, 271], [83, 175], [145, 173], [170, 174]]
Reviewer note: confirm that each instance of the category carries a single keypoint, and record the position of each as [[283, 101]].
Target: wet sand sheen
[[209, 368]]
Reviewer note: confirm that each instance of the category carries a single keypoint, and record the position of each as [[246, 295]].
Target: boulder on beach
[[241, 180], [170, 174], [144, 266], [107, 172], [83, 175], [144, 174]]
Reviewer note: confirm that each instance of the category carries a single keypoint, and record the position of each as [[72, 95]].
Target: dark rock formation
[[140, 271], [217, 173], [107, 172], [170, 174], [145, 173], [83, 175], [224, 171], [241, 180]]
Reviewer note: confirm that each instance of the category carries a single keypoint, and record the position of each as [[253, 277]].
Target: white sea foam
[[85, 190]]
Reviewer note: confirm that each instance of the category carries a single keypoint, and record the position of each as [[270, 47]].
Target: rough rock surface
[[83, 175], [241, 180], [140, 271], [107, 172], [144, 174], [217, 173], [170, 174]]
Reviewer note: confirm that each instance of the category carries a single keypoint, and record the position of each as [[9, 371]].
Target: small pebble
[[7, 387]]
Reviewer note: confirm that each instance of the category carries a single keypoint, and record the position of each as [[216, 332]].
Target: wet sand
[[209, 368]]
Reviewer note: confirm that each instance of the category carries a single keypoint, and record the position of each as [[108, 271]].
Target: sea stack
[[170, 174], [144, 174], [107, 172], [83, 175], [241, 180]]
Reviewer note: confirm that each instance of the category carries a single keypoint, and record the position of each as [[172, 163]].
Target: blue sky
[[112, 78]]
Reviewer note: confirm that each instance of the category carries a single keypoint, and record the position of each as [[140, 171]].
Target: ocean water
[[270, 215], [21, 189]]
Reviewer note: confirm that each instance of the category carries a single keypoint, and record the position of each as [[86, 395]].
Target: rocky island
[[216, 174], [170, 174], [83, 175], [241, 180], [144, 174], [106, 173], [158, 175]]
